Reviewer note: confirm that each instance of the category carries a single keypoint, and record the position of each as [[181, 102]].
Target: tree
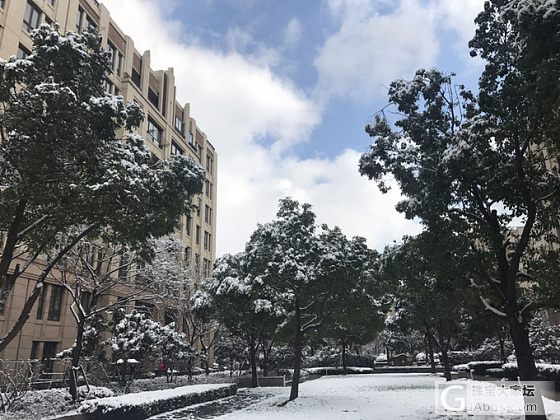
[[360, 311], [138, 340], [432, 288], [231, 297], [65, 175], [302, 274], [487, 162], [90, 272]]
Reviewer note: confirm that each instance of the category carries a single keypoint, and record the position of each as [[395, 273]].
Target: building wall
[[155, 91]]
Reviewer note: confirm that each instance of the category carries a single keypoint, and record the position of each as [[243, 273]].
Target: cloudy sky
[[283, 89]]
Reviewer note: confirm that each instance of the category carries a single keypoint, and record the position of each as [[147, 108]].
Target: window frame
[[55, 303], [155, 126], [32, 12]]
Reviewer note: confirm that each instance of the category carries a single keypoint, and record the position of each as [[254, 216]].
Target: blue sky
[[284, 89]]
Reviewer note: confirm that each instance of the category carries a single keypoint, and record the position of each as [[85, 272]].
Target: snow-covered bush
[[545, 340], [138, 340]]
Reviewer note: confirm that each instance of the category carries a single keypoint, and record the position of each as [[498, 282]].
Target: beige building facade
[[168, 129]]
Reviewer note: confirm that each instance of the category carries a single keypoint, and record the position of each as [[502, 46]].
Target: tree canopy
[[64, 173], [485, 163]]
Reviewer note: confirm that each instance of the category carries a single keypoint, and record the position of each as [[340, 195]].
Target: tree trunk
[[298, 353], [446, 364], [253, 357], [73, 383], [526, 368], [266, 355], [344, 357], [430, 350]]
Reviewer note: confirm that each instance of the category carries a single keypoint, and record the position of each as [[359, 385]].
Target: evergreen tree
[[64, 173], [484, 163]]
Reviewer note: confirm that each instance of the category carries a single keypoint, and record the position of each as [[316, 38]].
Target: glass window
[[32, 17], [197, 238], [208, 189], [41, 304], [209, 164], [55, 305], [189, 224], [107, 86], [155, 133], [176, 149], [179, 125], [208, 215], [79, 19], [207, 238]]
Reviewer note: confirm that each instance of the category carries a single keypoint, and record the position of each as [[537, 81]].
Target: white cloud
[[379, 41], [241, 104], [371, 49]]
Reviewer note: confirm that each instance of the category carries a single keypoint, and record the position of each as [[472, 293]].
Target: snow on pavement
[[353, 397]]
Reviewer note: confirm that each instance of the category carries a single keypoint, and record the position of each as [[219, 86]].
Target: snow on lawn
[[353, 397]]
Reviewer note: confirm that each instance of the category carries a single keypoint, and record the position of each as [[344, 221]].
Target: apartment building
[[167, 129]]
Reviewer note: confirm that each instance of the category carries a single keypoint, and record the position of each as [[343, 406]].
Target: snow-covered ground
[[353, 397]]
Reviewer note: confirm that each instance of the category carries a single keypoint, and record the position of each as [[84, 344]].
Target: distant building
[[168, 129]]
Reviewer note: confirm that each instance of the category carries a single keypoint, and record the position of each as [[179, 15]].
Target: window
[[116, 58], [188, 255], [155, 133], [135, 77], [118, 64], [191, 139], [153, 97], [208, 214], [85, 301], [49, 354], [208, 189], [51, 2], [124, 266], [90, 24], [176, 149], [80, 19], [199, 207], [197, 238], [107, 86], [199, 153], [179, 125], [197, 262], [2, 3], [55, 305], [32, 17], [205, 268], [207, 241], [34, 350], [41, 303], [209, 164], [189, 224]]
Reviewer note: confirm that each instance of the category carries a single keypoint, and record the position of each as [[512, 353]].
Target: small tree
[[231, 298], [137, 340]]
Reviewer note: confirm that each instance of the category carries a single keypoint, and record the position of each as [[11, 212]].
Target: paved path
[[215, 408]]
